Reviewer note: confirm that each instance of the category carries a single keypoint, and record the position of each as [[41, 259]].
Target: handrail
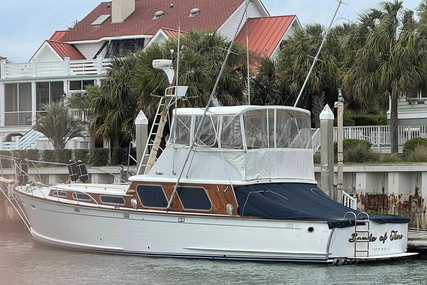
[[349, 201]]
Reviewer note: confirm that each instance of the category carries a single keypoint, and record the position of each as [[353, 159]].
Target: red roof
[[66, 50], [265, 33], [57, 35], [212, 15]]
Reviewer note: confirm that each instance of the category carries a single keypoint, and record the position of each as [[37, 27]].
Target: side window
[[81, 197], [152, 196], [194, 198], [60, 194], [114, 200]]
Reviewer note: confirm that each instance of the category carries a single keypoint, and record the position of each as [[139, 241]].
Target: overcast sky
[[25, 24]]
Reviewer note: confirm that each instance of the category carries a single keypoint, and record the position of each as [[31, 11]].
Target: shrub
[[119, 156], [356, 151], [33, 154], [389, 157], [49, 155], [63, 155], [359, 152], [19, 154], [419, 154], [99, 156], [82, 155], [6, 159], [410, 145]]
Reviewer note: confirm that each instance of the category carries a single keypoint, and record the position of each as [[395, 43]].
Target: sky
[[26, 24]]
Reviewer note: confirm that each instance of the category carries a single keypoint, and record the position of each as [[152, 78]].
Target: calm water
[[23, 261]]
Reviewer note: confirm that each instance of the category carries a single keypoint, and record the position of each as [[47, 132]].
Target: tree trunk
[[394, 123]]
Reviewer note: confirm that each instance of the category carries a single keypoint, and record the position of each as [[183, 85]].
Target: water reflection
[[24, 262]]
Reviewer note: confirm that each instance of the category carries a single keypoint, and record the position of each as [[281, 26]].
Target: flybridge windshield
[[253, 129]]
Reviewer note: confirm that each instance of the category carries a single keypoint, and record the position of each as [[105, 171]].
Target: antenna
[[318, 53]]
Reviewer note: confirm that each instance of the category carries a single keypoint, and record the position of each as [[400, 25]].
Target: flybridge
[[243, 127], [238, 144]]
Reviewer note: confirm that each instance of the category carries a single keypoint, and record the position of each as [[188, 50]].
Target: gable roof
[[57, 35], [211, 16], [265, 33], [66, 50]]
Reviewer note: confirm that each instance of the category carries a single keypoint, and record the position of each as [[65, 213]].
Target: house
[[73, 59]]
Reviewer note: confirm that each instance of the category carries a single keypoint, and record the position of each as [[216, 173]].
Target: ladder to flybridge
[[165, 103]]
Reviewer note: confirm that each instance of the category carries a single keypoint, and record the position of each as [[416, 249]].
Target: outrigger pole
[[316, 58]]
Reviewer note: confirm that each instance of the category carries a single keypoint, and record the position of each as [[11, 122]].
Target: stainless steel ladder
[[361, 234]]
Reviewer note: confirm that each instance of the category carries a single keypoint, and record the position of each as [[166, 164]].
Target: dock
[[417, 240]]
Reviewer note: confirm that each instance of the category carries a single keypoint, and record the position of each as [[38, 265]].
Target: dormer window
[[194, 12], [158, 15]]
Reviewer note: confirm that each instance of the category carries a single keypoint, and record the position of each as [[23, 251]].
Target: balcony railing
[[67, 67]]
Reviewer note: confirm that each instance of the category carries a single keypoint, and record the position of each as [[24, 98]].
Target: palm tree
[[389, 60], [202, 55], [113, 104], [295, 59], [58, 125]]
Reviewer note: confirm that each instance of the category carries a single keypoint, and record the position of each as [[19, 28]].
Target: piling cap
[[326, 113], [141, 119]]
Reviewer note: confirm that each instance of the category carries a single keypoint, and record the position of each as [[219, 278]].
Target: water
[[23, 261]]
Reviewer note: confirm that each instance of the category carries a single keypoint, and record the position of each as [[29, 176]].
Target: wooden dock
[[417, 240]]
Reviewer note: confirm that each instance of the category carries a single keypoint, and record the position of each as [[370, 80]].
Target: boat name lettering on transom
[[181, 220], [394, 235]]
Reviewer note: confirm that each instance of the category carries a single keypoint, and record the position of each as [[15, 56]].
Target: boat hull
[[189, 235]]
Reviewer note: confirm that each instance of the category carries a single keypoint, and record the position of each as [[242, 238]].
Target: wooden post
[[340, 108]]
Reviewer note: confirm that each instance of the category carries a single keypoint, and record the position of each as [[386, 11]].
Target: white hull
[[199, 236]]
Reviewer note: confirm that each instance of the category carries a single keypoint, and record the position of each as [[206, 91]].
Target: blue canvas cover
[[304, 202]]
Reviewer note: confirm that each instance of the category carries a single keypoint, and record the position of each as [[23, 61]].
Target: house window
[[152, 196], [122, 48], [80, 85], [194, 198], [47, 93], [18, 104]]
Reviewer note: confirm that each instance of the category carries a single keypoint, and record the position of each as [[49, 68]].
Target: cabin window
[[256, 129], [182, 130], [231, 135], [114, 200], [292, 130], [61, 194], [194, 198], [207, 131], [152, 196], [81, 197]]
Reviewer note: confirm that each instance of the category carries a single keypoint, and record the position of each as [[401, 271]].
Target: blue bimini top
[[302, 202]]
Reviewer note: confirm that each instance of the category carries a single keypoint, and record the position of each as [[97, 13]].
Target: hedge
[[410, 145]]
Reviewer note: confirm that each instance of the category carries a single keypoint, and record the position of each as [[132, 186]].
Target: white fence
[[54, 68], [379, 136]]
